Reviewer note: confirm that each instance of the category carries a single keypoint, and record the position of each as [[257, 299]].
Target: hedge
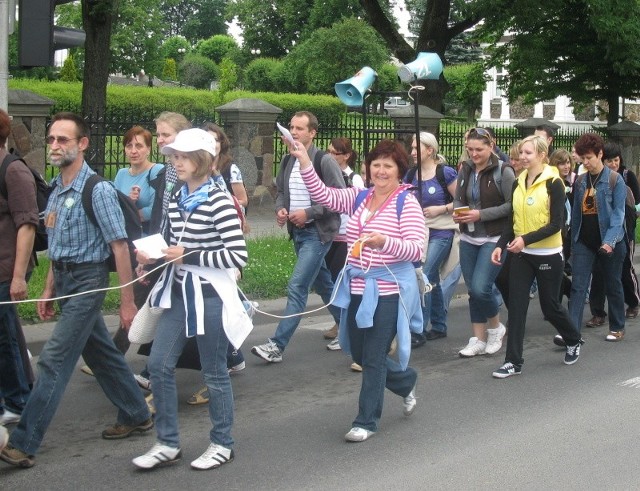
[[152, 100]]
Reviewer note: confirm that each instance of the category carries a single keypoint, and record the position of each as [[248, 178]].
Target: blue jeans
[[310, 270], [80, 330], [583, 260], [448, 285], [437, 253], [14, 384], [369, 349], [167, 346], [479, 275]]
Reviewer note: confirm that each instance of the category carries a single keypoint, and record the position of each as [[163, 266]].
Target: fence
[[110, 126]]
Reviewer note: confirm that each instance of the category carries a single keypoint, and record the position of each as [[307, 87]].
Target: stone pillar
[[528, 126], [627, 134], [28, 126], [404, 119], [505, 113], [250, 124]]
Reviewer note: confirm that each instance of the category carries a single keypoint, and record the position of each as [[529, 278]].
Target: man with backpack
[[312, 228], [78, 250], [18, 222]]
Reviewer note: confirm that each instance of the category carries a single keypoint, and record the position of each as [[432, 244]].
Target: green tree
[[334, 54], [69, 72], [228, 76], [467, 81], [176, 47], [217, 47], [552, 54], [170, 70], [198, 71], [194, 19], [260, 75]]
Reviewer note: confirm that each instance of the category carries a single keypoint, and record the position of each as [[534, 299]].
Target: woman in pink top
[[377, 291]]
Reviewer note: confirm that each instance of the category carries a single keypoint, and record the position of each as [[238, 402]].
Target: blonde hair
[[514, 151], [561, 156], [177, 121], [540, 145], [429, 140]]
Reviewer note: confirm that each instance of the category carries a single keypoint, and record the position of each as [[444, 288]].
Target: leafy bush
[[69, 72], [261, 75], [228, 76], [170, 71], [198, 71]]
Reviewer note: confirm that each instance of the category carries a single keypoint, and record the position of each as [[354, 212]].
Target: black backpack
[[132, 222], [43, 191]]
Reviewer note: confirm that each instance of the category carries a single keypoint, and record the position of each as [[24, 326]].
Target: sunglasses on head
[[482, 133]]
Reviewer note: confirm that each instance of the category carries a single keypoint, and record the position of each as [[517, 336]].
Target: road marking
[[632, 382]]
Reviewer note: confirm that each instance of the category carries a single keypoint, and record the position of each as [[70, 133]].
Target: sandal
[[199, 397]]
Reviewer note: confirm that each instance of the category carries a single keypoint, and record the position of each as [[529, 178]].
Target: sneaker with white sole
[[159, 455], [494, 339], [572, 354], [269, 352], [357, 434], [477, 348], [9, 417], [409, 402], [143, 382], [213, 457], [507, 370], [334, 345], [4, 438], [238, 368]]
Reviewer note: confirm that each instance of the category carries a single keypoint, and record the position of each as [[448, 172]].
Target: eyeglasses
[[334, 152], [62, 140]]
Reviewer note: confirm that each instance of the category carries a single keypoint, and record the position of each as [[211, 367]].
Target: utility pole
[[5, 15]]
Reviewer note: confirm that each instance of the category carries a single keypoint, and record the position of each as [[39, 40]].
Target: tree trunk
[[613, 114], [97, 19], [435, 35]]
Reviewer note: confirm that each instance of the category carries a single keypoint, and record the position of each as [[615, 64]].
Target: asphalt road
[[553, 427]]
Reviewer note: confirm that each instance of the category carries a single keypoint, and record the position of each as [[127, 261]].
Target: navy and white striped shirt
[[212, 229]]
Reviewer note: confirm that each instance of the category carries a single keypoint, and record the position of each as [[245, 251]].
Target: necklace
[[371, 212], [593, 183]]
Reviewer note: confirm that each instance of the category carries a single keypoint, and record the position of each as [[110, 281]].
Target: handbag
[[144, 325]]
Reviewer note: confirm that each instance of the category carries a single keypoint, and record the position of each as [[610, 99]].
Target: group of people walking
[[384, 253]]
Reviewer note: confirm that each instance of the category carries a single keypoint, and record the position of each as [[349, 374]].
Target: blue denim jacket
[[610, 203]]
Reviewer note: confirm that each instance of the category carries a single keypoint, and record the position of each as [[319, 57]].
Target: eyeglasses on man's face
[[62, 140]]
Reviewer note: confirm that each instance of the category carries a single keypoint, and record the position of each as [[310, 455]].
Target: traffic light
[[39, 37]]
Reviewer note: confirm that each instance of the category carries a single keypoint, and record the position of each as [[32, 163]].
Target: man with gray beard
[[78, 250]]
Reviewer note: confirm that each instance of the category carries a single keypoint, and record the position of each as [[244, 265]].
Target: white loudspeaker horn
[[426, 66], [351, 91]]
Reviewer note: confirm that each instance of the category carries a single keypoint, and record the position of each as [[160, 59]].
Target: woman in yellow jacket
[[533, 240]]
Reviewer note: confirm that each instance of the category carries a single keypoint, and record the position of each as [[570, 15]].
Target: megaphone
[[426, 66], [351, 91]]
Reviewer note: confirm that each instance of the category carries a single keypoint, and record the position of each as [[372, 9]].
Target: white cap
[[191, 140]]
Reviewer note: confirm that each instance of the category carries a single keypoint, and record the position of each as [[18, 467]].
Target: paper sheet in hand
[[151, 245], [286, 133]]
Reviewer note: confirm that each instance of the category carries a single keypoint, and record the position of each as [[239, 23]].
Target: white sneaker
[[268, 352], [9, 417], [4, 438], [213, 457], [477, 348], [409, 403], [334, 345], [494, 339], [358, 434], [143, 382], [158, 455], [471, 342]]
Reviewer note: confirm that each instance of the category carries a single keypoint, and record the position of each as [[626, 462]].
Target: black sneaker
[[572, 354], [507, 370]]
